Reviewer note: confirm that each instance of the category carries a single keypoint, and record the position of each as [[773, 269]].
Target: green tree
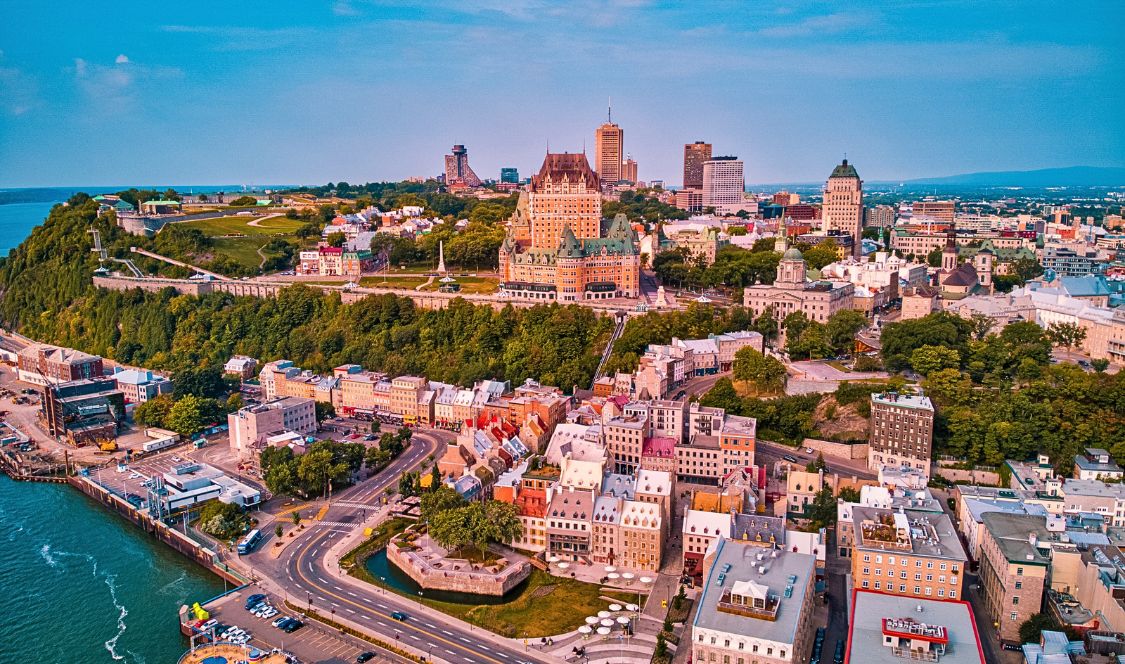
[[817, 464], [934, 257], [440, 500], [296, 516], [848, 494], [899, 339], [222, 520], [722, 395], [154, 412], [1099, 364], [186, 415], [661, 651], [1031, 628], [324, 411], [336, 239], [1067, 335], [822, 510], [244, 201], [842, 327], [766, 372], [930, 359], [981, 325], [278, 531], [822, 254], [408, 484]]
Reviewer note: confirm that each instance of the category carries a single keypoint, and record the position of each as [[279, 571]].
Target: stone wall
[[829, 448], [983, 477], [477, 583]]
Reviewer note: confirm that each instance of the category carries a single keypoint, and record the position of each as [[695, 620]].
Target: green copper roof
[[793, 254], [569, 246], [844, 170]]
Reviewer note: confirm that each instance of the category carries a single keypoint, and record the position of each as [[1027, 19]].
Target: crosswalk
[[338, 524]]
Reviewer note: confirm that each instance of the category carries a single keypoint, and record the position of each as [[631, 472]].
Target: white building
[[723, 184]]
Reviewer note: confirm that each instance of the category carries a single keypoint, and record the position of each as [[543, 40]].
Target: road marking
[[446, 633], [352, 594], [481, 645], [429, 625], [349, 610]]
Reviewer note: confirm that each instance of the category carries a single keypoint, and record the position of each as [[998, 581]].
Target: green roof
[[161, 202], [844, 170]]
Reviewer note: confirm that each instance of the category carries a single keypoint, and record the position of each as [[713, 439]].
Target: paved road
[[767, 453], [306, 569]]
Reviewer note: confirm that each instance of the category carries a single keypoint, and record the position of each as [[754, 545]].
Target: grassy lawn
[[391, 281], [838, 365], [353, 560], [471, 285], [242, 249], [238, 224]]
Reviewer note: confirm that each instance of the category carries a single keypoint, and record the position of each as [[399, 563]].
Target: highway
[[307, 572]]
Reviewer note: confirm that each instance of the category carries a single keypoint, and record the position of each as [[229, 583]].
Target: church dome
[[793, 254]]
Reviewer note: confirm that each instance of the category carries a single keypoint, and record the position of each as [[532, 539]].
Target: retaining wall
[[829, 448], [477, 583]]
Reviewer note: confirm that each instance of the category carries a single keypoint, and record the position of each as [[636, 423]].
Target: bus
[[247, 544]]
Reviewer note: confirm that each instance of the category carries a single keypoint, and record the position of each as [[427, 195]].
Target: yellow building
[[907, 552]]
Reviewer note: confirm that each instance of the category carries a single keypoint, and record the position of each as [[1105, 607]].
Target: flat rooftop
[[780, 577], [918, 401], [870, 609], [919, 533]]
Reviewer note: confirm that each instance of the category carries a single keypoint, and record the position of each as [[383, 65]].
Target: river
[[83, 585]]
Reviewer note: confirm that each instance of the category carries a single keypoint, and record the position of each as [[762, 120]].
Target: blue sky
[[359, 90]]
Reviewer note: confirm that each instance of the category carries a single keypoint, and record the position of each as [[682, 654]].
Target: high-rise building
[[629, 170], [723, 184], [510, 175], [843, 203], [457, 170], [695, 154], [902, 431], [940, 210], [880, 216], [609, 151]]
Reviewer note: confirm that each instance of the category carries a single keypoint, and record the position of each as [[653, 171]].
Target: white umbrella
[[610, 568], [645, 579], [703, 299], [564, 565], [592, 620], [628, 576], [585, 629], [614, 607], [603, 630], [631, 607], [603, 614], [608, 622], [613, 575], [622, 620], [553, 559], [447, 280]]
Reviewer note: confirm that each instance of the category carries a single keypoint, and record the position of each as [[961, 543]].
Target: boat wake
[[45, 553], [111, 643]]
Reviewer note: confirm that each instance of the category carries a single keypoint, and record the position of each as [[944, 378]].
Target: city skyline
[[362, 91]]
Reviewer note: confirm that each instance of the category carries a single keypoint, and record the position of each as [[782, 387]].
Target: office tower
[[629, 170], [695, 154], [457, 170], [880, 216], [723, 184], [941, 210], [843, 203], [510, 175], [609, 151]]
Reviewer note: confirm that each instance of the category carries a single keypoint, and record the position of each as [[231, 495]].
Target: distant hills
[[1071, 176]]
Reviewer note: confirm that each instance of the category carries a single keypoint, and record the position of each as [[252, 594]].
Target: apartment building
[[884, 629], [624, 439], [43, 364], [756, 606], [605, 527], [250, 426], [641, 535], [1096, 464], [1013, 569], [736, 442], [902, 431], [906, 552], [569, 525], [140, 385]]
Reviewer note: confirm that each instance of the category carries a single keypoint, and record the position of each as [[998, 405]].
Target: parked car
[[365, 656], [254, 600], [277, 621], [790, 458]]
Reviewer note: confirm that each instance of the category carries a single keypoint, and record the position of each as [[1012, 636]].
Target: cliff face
[[841, 423]]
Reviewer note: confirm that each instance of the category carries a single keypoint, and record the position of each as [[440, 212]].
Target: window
[[865, 583], [918, 576], [1019, 584], [953, 594], [1019, 571], [878, 585], [1015, 600], [1014, 615]]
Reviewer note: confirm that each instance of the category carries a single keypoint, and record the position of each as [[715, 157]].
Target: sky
[[306, 92]]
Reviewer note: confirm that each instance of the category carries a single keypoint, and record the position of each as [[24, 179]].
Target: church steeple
[[949, 253]]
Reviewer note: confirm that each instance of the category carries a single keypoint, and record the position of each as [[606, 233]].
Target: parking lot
[[311, 643], [128, 480]]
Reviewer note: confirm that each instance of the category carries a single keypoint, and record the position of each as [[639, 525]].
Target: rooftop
[[903, 400], [875, 617], [750, 590], [1018, 536], [917, 532]]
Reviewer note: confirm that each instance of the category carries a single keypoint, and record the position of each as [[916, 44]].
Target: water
[[83, 585], [17, 220]]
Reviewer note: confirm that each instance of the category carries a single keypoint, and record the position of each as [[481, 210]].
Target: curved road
[[304, 571]]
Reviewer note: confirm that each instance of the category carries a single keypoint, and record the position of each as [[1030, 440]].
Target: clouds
[[18, 90], [117, 87]]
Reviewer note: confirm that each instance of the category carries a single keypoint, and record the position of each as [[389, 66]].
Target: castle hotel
[[557, 246]]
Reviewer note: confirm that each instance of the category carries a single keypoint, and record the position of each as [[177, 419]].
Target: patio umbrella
[[645, 579], [613, 576], [592, 620], [614, 607], [603, 630], [564, 565], [622, 620], [610, 568], [608, 622], [585, 629], [447, 280], [553, 559], [631, 607], [603, 614], [628, 576]]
